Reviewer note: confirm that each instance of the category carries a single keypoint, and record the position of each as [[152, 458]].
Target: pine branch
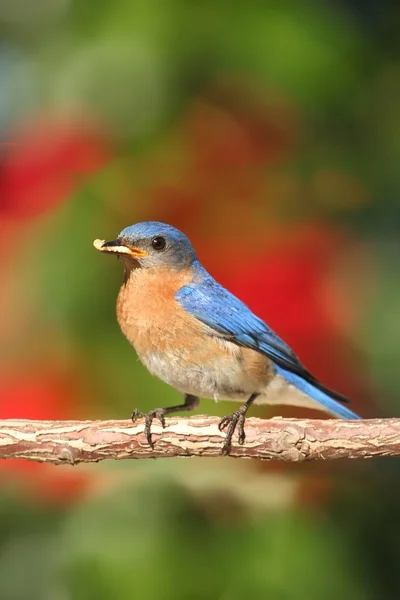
[[72, 442]]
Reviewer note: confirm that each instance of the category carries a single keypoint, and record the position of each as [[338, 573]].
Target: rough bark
[[72, 442]]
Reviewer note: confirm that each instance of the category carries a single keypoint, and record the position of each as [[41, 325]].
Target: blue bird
[[199, 338]]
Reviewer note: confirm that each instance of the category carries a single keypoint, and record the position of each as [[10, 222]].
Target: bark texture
[[72, 442]]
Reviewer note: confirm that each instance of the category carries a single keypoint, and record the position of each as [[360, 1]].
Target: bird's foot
[[157, 413], [230, 423]]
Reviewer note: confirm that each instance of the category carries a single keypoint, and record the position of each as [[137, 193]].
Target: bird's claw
[[230, 423], [157, 413]]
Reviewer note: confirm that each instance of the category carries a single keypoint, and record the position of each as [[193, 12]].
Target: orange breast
[[177, 347], [149, 314]]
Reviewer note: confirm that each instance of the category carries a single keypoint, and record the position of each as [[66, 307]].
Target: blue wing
[[212, 304]]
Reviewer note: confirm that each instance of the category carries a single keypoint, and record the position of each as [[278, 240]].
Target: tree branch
[[72, 442]]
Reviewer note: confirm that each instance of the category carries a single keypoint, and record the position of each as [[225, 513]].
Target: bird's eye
[[158, 243]]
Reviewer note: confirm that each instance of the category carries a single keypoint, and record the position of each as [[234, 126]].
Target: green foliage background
[[298, 103]]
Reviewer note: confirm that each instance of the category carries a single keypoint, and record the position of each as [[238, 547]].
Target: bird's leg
[[236, 419], [190, 403]]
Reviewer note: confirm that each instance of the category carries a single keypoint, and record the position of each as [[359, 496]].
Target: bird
[[196, 336]]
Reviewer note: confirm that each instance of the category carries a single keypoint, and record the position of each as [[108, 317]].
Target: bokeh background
[[270, 133]]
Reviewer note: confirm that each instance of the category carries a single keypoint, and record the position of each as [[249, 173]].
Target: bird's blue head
[[151, 244]]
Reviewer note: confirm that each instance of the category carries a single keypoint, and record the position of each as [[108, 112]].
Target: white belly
[[280, 392], [225, 381], [222, 380]]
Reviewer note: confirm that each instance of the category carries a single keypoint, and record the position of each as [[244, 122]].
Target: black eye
[[158, 243]]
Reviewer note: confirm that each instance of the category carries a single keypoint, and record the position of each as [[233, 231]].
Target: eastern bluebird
[[196, 336]]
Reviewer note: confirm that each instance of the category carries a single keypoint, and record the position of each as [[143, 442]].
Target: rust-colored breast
[[148, 312], [178, 348]]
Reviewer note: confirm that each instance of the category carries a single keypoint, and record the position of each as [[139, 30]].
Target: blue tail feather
[[317, 394]]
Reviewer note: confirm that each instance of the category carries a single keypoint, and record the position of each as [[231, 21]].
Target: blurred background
[[270, 133]]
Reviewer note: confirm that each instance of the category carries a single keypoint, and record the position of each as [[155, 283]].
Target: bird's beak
[[118, 247]]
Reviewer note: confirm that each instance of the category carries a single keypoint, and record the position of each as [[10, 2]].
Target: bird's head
[[150, 244]]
